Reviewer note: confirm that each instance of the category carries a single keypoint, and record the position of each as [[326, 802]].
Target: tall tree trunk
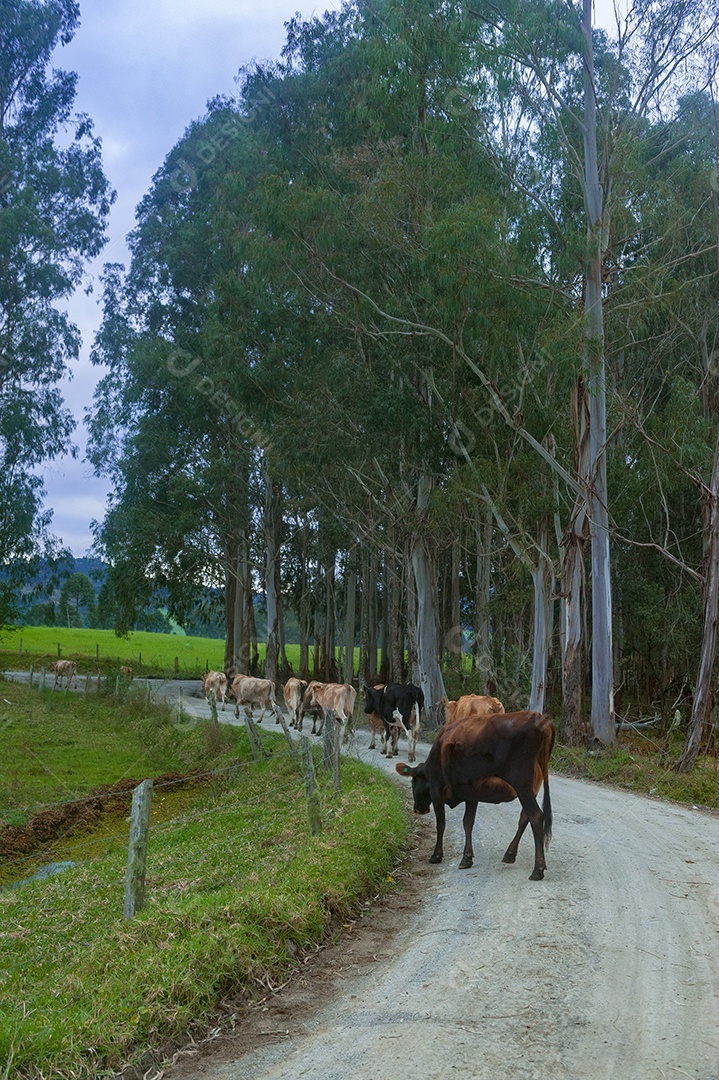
[[328, 659], [350, 599], [602, 718], [251, 623], [304, 610], [411, 605], [372, 615], [394, 584], [230, 594], [481, 648], [273, 539], [455, 631], [240, 643], [701, 708], [543, 581], [573, 585], [424, 564]]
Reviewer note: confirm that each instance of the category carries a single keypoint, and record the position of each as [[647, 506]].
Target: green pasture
[[164, 655], [238, 888], [146, 653]]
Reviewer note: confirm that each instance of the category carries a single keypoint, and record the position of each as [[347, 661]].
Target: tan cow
[[64, 669], [293, 691], [339, 698], [127, 672], [215, 682], [248, 690], [471, 705]]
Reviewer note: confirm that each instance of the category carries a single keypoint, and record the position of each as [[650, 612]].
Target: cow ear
[[403, 770]]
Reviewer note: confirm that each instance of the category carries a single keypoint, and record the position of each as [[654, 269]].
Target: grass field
[[148, 654], [237, 886], [145, 652]]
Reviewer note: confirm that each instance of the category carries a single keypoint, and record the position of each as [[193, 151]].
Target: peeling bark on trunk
[[350, 595], [424, 565], [543, 581], [481, 655], [412, 658], [701, 708], [573, 584], [273, 539], [602, 719], [304, 612]]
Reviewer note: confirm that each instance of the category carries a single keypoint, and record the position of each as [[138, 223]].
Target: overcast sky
[[146, 70]]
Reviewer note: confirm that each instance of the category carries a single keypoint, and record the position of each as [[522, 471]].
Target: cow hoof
[[509, 858], [435, 858], [466, 862], [537, 875]]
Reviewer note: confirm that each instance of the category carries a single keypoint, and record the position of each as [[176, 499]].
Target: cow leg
[[412, 742], [441, 820], [531, 808], [470, 810], [511, 853]]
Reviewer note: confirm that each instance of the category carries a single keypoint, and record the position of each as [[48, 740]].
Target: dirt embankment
[[66, 819]]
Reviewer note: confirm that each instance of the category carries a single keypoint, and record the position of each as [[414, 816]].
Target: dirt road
[[609, 968]]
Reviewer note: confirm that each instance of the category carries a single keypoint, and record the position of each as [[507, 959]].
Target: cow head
[[420, 785], [372, 699]]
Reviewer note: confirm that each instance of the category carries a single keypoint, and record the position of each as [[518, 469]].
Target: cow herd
[[481, 754]]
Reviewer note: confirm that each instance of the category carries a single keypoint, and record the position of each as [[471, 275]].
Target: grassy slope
[[56, 746], [236, 886]]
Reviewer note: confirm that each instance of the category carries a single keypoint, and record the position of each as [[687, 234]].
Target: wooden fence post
[[328, 740], [179, 707], [58, 650], [313, 799], [253, 734], [32, 671], [20, 652], [281, 717], [177, 666], [97, 652], [213, 707], [137, 851], [42, 677]]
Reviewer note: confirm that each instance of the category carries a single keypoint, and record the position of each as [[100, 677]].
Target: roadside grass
[[645, 764], [58, 746], [237, 889]]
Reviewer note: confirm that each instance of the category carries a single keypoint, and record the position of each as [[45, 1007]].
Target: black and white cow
[[399, 706]]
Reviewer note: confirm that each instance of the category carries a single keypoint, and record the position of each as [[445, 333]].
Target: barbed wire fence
[[321, 785]]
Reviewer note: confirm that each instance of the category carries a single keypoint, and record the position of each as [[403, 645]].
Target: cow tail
[[547, 801]]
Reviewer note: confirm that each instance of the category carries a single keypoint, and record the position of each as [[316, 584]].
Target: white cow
[[215, 682], [64, 669]]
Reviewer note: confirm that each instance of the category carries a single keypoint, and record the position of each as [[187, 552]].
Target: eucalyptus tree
[[54, 202], [170, 424]]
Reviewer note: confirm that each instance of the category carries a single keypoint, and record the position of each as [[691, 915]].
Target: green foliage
[[54, 202]]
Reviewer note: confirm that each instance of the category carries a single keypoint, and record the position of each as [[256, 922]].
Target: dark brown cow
[[490, 759]]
